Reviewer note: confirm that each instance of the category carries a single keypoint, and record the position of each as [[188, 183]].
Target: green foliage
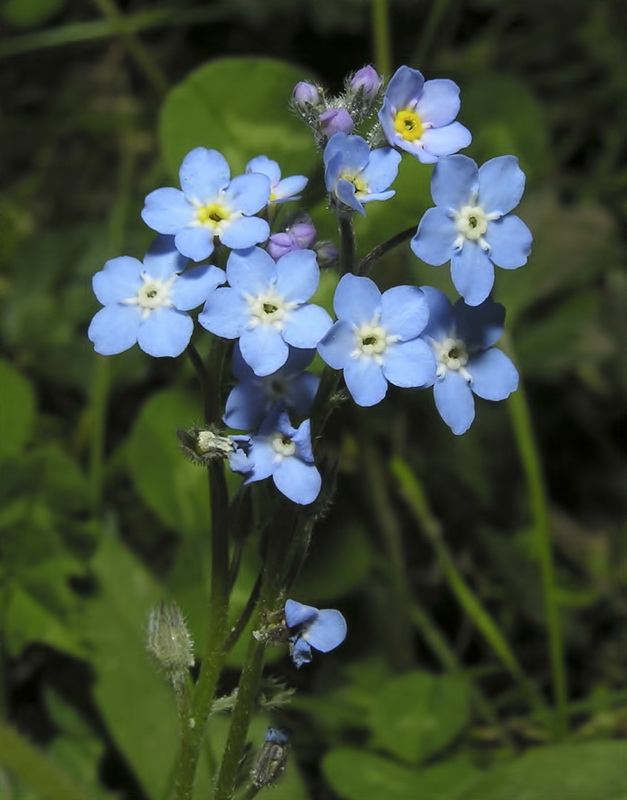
[[17, 412]]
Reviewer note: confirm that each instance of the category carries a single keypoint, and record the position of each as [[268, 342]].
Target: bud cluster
[[169, 641]]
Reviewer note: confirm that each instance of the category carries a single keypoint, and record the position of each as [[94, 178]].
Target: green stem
[[347, 241], [382, 249], [437, 11], [381, 36], [530, 458]]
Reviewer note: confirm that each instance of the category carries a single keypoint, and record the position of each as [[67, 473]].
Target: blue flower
[[357, 175], [418, 116], [145, 303], [375, 339], [281, 190], [285, 453], [470, 223], [287, 389], [322, 629], [265, 306], [209, 205], [461, 337]]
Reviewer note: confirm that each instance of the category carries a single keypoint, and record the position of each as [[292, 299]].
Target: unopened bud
[[367, 81], [169, 640], [305, 94], [280, 244], [201, 445], [305, 234], [336, 120], [327, 254], [271, 758]]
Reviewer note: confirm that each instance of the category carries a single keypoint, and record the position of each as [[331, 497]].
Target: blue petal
[[444, 141], [382, 169], [409, 364], [455, 179], [306, 326], [472, 273], [263, 349], [266, 166], [245, 406], [298, 481], [167, 211], [245, 232], [300, 651], [288, 189], [248, 193], [302, 439], [226, 313], [435, 237], [203, 173], [353, 151], [405, 86], [298, 275], [165, 332], [386, 118], [263, 459], [454, 401], [250, 271], [365, 381], [377, 196], [327, 631], [114, 329], [439, 102], [501, 184], [510, 241], [163, 259], [345, 191], [357, 299], [479, 326], [337, 345], [194, 286], [302, 393], [494, 377], [118, 280], [404, 311], [296, 613], [195, 242], [441, 319]]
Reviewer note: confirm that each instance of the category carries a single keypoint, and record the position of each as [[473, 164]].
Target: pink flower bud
[[305, 94], [336, 120], [367, 80]]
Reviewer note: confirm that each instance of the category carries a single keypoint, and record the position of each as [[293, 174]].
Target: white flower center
[[471, 222], [372, 340], [282, 445], [451, 354], [154, 294], [269, 308]]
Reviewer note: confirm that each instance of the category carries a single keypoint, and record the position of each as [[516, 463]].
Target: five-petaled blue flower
[[289, 389], [265, 306], [145, 303], [357, 175], [471, 224], [462, 339], [285, 453], [417, 116], [209, 205], [322, 629], [281, 190], [375, 339]]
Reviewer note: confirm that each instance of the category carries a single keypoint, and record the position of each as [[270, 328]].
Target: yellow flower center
[[212, 215], [409, 125], [361, 187]]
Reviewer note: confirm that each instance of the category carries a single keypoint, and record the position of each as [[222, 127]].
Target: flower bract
[[462, 339], [146, 302], [375, 339], [209, 205], [281, 190], [310, 627], [418, 116], [356, 175], [471, 224]]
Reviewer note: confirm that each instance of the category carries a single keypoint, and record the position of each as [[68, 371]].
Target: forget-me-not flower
[[265, 306], [418, 116], [146, 303], [283, 452], [471, 224], [289, 389], [357, 175], [209, 205], [462, 339], [375, 339], [323, 629], [281, 190]]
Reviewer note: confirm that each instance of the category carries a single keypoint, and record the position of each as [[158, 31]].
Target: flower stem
[[381, 36], [382, 249], [347, 241]]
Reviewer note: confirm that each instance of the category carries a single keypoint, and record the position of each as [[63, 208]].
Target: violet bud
[[305, 94], [336, 120], [305, 234], [280, 244], [327, 254], [367, 80]]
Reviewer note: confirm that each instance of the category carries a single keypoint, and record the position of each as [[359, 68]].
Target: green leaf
[[590, 771], [30, 13], [17, 410], [169, 485], [239, 106], [417, 714]]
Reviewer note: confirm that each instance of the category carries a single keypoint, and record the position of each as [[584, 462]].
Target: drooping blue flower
[[357, 175], [281, 190], [285, 453], [471, 224], [289, 389], [265, 306], [209, 205], [322, 629], [145, 303], [375, 339], [418, 116], [462, 339]]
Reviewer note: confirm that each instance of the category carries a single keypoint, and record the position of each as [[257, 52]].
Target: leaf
[[30, 13], [17, 410], [590, 771], [239, 106], [417, 714]]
